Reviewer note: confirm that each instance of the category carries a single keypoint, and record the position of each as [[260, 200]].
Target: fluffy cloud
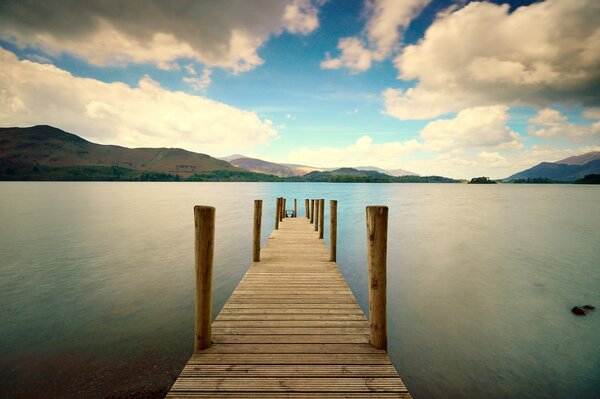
[[483, 55], [201, 82], [301, 17], [386, 19], [550, 123], [146, 115], [362, 153], [471, 128], [225, 33]]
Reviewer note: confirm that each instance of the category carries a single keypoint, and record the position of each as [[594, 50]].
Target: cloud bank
[[142, 116], [483, 55], [223, 33]]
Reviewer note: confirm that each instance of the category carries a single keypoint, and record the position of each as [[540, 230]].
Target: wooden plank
[[351, 384], [289, 370], [290, 338], [291, 329]]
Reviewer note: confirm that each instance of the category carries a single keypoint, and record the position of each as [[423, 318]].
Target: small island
[[481, 180]]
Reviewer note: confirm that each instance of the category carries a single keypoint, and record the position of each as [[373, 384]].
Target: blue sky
[[436, 87]]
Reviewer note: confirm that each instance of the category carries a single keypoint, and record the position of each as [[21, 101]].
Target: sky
[[452, 88]]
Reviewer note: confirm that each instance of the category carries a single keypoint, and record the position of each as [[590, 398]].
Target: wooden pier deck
[[292, 328]]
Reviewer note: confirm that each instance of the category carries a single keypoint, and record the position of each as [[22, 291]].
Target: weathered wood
[[256, 230], [292, 328], [306, 208], [277, 212], [295, 208], [332, 230], [321, 217], [317, 210], [312, 211], [204, 224], [377, 225], [283, 213]]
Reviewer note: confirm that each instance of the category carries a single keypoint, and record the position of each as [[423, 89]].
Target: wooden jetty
[[292, 328]]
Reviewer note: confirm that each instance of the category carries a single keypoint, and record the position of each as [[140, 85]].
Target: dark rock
[[589, 307], [578, 310]]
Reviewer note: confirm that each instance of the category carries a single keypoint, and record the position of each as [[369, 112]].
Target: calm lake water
[[96, 283]]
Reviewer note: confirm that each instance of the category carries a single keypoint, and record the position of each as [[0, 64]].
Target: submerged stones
[[582, 310]]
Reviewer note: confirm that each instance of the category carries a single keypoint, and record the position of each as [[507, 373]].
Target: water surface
[[96, 282]]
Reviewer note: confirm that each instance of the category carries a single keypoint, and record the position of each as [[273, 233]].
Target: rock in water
[[589, 307], [578, 310]]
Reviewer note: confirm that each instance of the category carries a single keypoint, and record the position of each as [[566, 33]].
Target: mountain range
[[288, 170], [47, 153], [566, 170]]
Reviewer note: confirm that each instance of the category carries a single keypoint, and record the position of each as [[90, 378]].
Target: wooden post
[[306, 209], [204, 223], [277, 213], [283, 214], [317, 214], [281, 208], [312, 211], [256, 232], [377, 226], [321, 217], [295, 208], [332, 230]]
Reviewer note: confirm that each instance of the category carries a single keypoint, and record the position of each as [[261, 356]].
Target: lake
[[97, 282]]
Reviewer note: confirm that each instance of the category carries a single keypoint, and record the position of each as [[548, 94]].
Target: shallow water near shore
[[97, 300]]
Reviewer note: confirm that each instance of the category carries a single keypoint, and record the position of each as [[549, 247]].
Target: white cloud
[[483, 55], [550, 123], [471, 128], [301, 17], [189, 68], [147, 115], [290, 116], [385, 22], [200, 83], [223, 34], [362, 152], [592, 113]]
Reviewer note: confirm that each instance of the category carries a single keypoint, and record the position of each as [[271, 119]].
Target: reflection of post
[[256, 231], [312, 210], [332, 230], [317, 214], [377, 225], [204, 223], [277, 212], [295, 208], [322, 217]]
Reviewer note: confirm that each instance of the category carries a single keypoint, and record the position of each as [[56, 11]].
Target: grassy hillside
[[46, 146]]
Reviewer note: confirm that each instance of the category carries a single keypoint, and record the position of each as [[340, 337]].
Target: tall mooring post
[[317, 206], [377, 226], [277, 212], [256, 230], [332, 230], [306, 209], [204, 247], [321, 217]]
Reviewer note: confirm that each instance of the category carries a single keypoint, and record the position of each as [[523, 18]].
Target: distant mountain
[[270, 168], [230, 158], [47, 146], [566, 170], [391, 172], [352, 175], [580, 159]]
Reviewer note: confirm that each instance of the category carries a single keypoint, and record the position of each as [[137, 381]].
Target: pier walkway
[[292, 328]]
